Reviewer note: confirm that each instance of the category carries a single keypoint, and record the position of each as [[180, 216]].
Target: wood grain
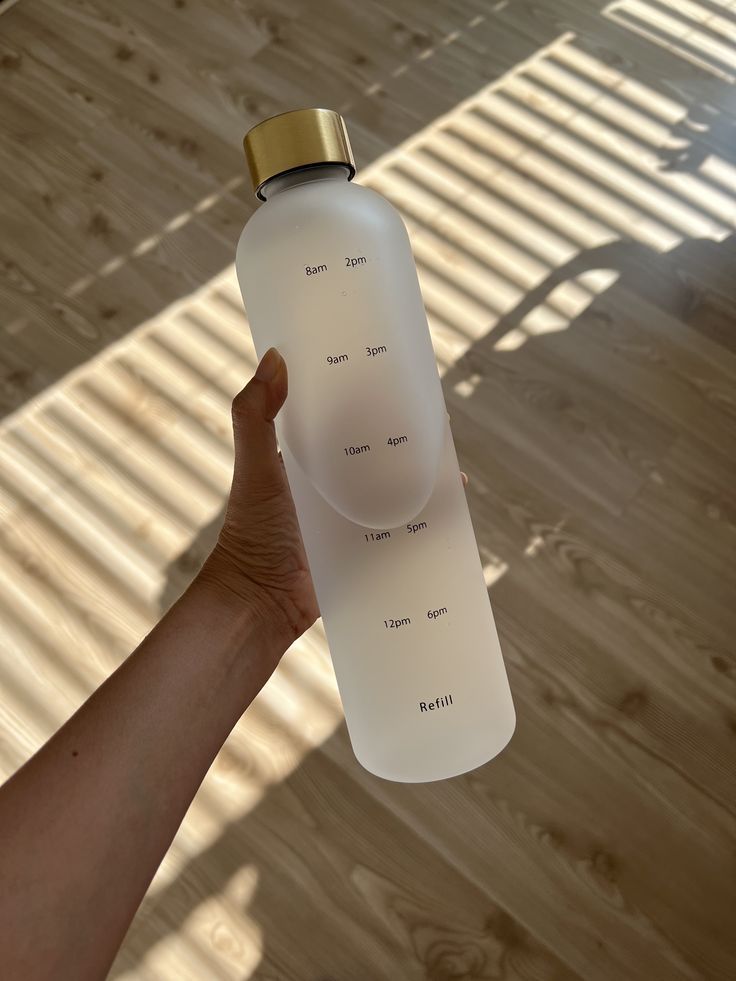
[[569, 183]]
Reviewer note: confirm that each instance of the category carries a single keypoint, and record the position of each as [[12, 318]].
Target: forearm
[[85, 823]]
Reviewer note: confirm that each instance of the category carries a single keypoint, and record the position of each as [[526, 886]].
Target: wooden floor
[[568, 175]]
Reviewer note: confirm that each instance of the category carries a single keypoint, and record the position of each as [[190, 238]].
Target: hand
[[259, 556]]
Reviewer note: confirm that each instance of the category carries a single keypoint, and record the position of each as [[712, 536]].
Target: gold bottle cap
[[293, 140]]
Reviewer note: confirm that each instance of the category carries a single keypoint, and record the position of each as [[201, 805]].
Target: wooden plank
[[356, 909], [584, 329]]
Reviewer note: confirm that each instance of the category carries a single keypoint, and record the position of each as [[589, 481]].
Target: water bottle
[[327, 276]]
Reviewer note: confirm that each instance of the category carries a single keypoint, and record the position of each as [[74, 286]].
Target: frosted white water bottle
[[328, 278]]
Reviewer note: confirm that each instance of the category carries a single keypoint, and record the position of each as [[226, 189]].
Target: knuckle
[[241, 403]]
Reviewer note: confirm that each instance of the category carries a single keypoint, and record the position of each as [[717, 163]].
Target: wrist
[[239, 597]]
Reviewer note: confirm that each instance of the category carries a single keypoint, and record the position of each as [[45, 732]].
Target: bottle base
[[434, 770]]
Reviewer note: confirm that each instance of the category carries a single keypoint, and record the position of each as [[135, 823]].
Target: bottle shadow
[[312, 833]]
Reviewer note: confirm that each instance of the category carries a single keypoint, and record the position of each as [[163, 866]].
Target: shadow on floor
[[135, 229], [566, 436], [599, 403]]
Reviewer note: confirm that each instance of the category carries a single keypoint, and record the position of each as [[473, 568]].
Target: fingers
[[271, 372], [253, 411], [463, 475]]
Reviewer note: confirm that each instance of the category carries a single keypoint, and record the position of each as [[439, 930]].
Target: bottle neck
[[320, 172]]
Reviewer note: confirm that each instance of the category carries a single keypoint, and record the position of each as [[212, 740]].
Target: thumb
[[253, 411]]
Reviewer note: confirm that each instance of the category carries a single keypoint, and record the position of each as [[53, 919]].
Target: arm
[[85, 823]]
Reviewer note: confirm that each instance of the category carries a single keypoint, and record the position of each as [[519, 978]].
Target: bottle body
[[327, 277]]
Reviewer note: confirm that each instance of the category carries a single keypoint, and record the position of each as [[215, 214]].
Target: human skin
[[85, 823]]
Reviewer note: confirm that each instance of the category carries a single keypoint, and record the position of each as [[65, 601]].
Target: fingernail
[[269, 365]]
